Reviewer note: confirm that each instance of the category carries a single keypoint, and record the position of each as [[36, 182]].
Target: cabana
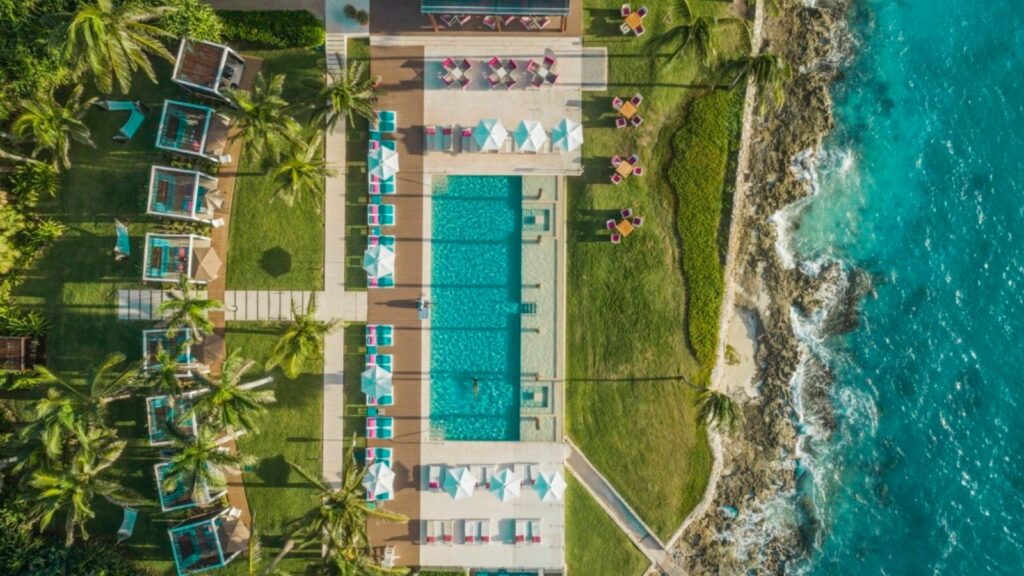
[[193, 130], [498, 8], [180, 496], [180, 343], [169, 256], [163, 411], [183, 194], [208, 542], [207, 68]]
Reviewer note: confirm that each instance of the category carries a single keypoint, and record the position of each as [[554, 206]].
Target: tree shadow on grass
[[276, 261]]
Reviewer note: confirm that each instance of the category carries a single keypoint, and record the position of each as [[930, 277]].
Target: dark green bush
[[193, 19], [701, 151], [273, 28]]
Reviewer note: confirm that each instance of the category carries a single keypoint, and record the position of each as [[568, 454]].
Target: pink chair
[[493, 80], [638, 171], [463, 82], [621, 122], [512, 66], [549, 61], [638, 221], [532, 65], [537, 81], [448, 64], [526, 21], [552, 78], [491, 22], [509, 82], [542, 22], [640, 30], [508, 20], [464, 19], [616, 238], [617, 103], [616, 179], [636, 99], [625, 10], [374, 145], [616, 160], [636, 120], [626, 213], [633, 159], [448, 80], [465, 65], [610, 225], [642, 11], [494, 63]]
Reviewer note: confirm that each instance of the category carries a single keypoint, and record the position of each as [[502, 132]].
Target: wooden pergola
[[497, 8]]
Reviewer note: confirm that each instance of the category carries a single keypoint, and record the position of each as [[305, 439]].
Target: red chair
[[610, 225], [616, 238], [616, 179], [625, 10], [621, 122]]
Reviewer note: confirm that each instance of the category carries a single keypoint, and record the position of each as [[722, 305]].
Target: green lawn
[[626, 393], [274, 246], [594, 545], [357, 139]]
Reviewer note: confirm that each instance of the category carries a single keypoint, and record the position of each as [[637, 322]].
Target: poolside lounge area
[[183, 194], [179, 497], [208, 68], [169, 256], [164, 411], [208, 542], [193, 130], [476, 17]]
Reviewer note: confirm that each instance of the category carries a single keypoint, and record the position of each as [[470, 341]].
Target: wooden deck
[[403, 17], [402, 70]]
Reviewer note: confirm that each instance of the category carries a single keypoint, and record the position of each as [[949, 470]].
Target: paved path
[[276, 305], [139, 304], [624, 517], [334, 298]]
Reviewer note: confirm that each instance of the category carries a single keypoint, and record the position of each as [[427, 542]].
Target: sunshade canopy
[[376, 381], [550, 486], [503, 7], [506, 485], [530, 136], [383, 163], [567, 135], [379, 479], [379, 261], [490, 134], [459, 482]]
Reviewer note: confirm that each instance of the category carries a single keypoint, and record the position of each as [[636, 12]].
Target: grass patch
[[588, 529], [357, 191], [702, 150], [274, 246], [627, 337]]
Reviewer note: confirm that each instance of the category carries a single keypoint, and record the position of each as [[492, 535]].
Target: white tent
[[459, 482], [567, 135], [530, 136], [490, 135], [506, 485], [378, 480], [550, 486], [383, 163], [379, 261], [376, 382]]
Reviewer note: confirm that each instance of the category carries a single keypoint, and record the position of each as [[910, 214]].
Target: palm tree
[[51, 126], [699, 30], [72, 487], [718, 409], [263, 119], [302, 341], [188, 310], [111, 42], [227, 402], [199, 462], [337, 524], [770, 73], [350, 94], [163, 372], [304, 169]]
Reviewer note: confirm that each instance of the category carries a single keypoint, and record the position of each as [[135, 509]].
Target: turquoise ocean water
[[476, 282], [922, 186]]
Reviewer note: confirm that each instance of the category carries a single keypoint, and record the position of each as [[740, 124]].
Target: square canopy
[[499, 7], [164, 411], [192, 129], [207, 67], [203, 544], [182, 194]]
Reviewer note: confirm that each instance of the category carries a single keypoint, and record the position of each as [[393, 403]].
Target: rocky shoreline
[[754, 522]]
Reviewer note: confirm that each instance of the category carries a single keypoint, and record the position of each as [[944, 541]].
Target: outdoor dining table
[[634, 20], [625, 227], [624, 169], [627, 110]]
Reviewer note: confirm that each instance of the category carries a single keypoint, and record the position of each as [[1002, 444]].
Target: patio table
[[627, 110], [634, 20], [625, 227], [625, 169]]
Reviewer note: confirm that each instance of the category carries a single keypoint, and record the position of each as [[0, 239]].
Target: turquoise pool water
[[476, 281]]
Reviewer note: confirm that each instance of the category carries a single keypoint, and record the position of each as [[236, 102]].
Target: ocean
[[921, 186]]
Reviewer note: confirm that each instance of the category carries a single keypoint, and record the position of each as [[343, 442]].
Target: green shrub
[[273, 28], [701, 150], [193, 19]]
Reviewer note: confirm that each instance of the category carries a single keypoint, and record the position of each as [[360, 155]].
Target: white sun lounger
[[448, 531], [520, 531], [434, 476], [433, 527], [534, 526]]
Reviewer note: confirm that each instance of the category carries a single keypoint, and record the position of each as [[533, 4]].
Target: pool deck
[[394, 17], [401, 68]]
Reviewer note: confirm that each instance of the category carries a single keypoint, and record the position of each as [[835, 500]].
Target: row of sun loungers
[[478, 532], [528, 474], [492, 22]]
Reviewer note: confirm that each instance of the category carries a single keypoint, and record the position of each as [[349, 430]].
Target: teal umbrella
[[459, 482], [506, 485], [490, 135], [567, 135], [530, 136], [550, 486], [379, 261], [376, 382]]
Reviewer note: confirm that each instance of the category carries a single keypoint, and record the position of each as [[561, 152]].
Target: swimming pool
[[475, 329]]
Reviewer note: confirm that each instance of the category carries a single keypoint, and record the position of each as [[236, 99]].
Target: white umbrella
[[383, 163], [490, 135], [530, 136], [505, 485], [459, 482], [567, 135], [550, 486], [379, 261], [378, 479], [376, 382]]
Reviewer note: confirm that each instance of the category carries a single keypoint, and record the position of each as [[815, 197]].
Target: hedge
[[701, 151], [273, 28]]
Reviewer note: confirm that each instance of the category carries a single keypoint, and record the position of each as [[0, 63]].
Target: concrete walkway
[[620, 512], [334, 296], [276, 305]]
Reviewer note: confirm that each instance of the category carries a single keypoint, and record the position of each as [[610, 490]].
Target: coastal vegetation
[[642, 322]]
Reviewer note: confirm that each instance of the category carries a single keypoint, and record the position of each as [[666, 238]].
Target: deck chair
[[127, 524], [123, 247]]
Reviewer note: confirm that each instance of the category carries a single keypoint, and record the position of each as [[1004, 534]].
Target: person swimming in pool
[[476, 386]]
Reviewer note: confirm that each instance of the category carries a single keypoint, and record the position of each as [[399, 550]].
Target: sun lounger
[[520, 531], [534, 527], [469, 531], [434, 472], [448, 531], [447, 142], [467, 140], [430, 136], [433, 527], [127, 524], [485, 531]]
